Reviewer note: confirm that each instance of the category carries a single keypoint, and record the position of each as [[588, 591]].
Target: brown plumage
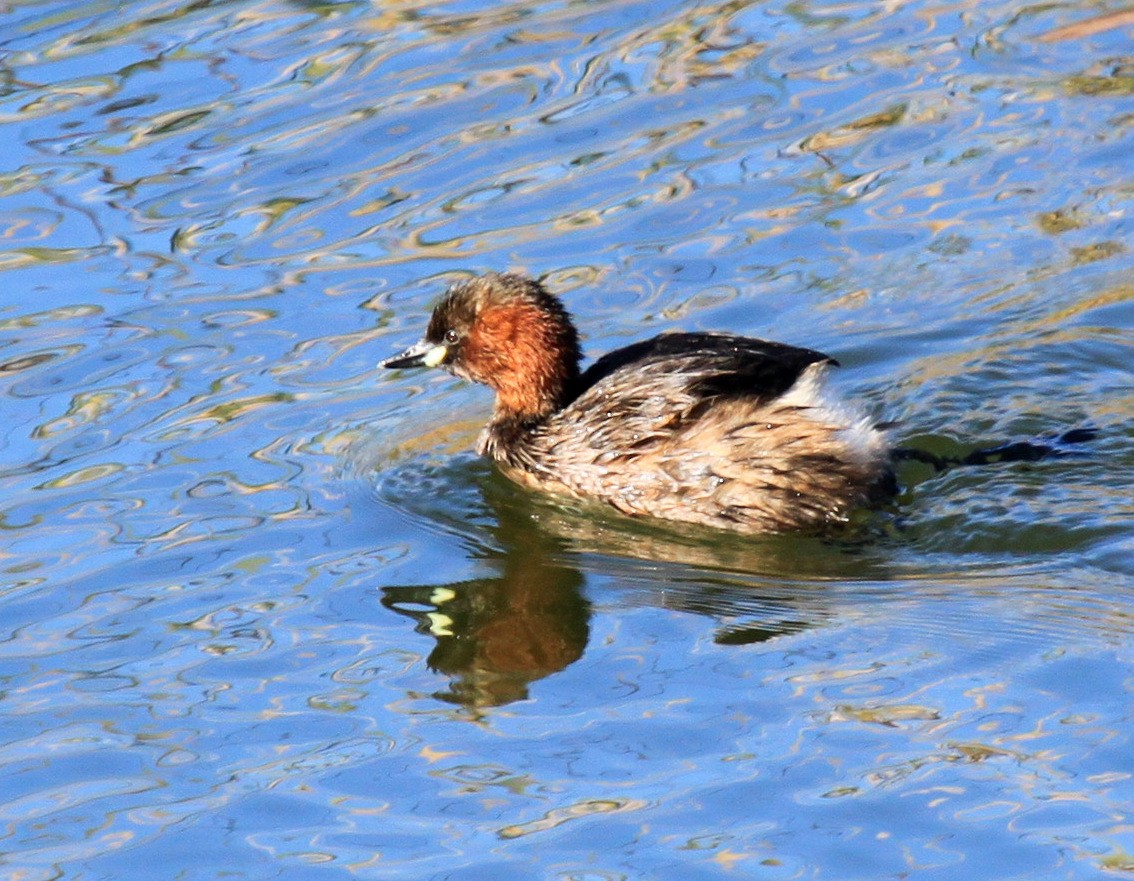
[[717, 429]]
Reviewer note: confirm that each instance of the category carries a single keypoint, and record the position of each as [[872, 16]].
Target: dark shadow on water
[[1032, 450]]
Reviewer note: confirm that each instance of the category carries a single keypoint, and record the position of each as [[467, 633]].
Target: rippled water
[[263, 614]]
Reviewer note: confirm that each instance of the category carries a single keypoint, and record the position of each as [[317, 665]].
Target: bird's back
[[722, 430]]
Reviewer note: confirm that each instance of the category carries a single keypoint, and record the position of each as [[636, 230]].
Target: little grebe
[[709, 428]]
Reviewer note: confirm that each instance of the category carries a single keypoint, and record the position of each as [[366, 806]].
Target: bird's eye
[[451, 336]]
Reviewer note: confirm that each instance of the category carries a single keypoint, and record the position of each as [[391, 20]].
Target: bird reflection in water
[[497, 635]]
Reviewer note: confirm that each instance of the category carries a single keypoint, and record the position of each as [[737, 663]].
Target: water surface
[[264, 613]]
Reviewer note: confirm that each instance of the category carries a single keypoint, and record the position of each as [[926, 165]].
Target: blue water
[[263, 614]]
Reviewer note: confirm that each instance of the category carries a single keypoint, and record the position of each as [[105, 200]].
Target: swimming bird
[[710, 428]]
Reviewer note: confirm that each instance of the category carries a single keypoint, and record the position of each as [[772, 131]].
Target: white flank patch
[[863, 439]]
